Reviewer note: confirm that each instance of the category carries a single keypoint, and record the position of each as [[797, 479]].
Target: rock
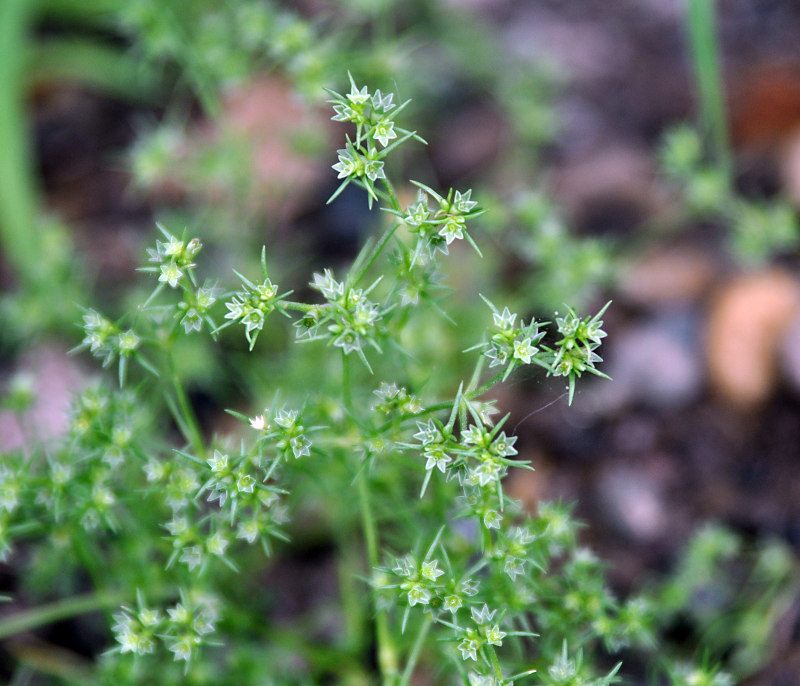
[[632, 503], [611, 192], [747, 324], [790, 354], [54, 378], [790, 167], [669, 276], [259, 153], [655, 364]]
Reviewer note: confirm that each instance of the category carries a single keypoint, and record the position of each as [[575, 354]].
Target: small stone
[[747, 325], [672, 276], [632, 502], [790, 354], [790, 167], [655, 364], [55, 378]]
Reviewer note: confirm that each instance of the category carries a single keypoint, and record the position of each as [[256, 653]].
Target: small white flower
[[217, 543], [245, 483], [462, 202], [286, 418], [469, 648], [430, 570], [494, 636], [182, 647], [452, 603], [436, 457], [192, 556], [358, 97], [381, 102], [524, 350], [418, 594], [374, 170], [128, 341], [482, 616], [218, 463], [492, 519], [300, 446], [514, 566], [248, 530], [405, 566], [452, 229], [171, 273], [349, 164], [384, 132], [504, 320], [259, 422]]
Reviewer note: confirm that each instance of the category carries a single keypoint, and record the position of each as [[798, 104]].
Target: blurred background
[[592, 133]]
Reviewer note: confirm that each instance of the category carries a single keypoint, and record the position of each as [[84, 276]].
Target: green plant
[[700, 163], [400, 465]]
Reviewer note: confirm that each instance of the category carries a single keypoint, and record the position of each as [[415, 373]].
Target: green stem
[[347, 391], [90, 63], [186, 419], [480, 391], [447, 404], [61, 609], [376, 251], [18, 193], [413, 656], [708, 75], [393, 199], [498, 670], [387, 651]]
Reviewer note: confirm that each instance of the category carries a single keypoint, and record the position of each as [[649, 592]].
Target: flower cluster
[[434, 440], [193, 310], [177, 482], [283, 427], [361, 160], [174, 260], [418, 276], [174, 257], [512, 345], [513, 550], [182, 628], [490, 449], [349, 320], [250, 509], [576, 349], [13, 482], [251, 305], [436, 228], [484, 632], [106, 340], [420, 579], [569, 669], [396, 399], [108, 429]]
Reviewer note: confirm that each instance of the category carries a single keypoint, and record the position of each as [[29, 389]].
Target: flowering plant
[[438, 567]]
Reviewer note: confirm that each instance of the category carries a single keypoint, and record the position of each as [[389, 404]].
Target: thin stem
[[498, 670], [387, 651], [480, 391], [18, 202], [415, 651], [186, 419], [376, 251], [94, 64], [347, 391], [448, 404], [708, 75], [393, 199], [58, 610]]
